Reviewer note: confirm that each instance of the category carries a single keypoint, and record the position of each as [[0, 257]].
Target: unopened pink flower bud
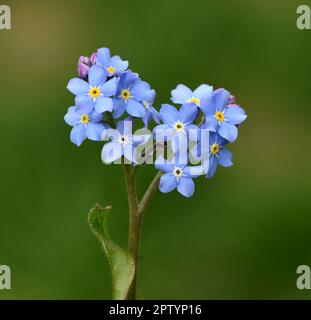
[[231, 99], [83, 67], [93, 58]]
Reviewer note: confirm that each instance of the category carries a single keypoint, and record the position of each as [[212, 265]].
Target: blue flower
[[151, 112], [129, 96], [113, 66], [222, 116], [122, 142], [216, 154], [198, 98], [176, 176], [177, 125], [85, 125], [96, 93]]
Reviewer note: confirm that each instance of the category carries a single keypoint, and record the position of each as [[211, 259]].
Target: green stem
[[136, 214], [135, 222], [149, 194]]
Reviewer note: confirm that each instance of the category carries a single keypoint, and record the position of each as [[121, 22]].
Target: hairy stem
[[135, 222], [136, 214]]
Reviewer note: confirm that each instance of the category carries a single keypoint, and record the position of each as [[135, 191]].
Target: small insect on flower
[[130, 95], [85, 125], [223, 117], [114, 66], [96, 93], [198, 98]]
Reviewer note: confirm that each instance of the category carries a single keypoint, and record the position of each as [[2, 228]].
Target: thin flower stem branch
[[146, 199]]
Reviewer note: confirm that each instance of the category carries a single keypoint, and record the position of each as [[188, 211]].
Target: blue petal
[[119, 64], [196, 152], [169, 114], [94, 131], [77, 135], [221, 98], [111, 151], [103, 57], [163, 165], [125, 127], [208, 106], [103, 104], [140, 89], [150, 96], [78, 86], [140, 139], [225, 158], [146, 118], [185, 187], [181, 94], [212, 167], [110, 135], [97, 76], [211, 123], [155, 115], [84, 104], [129, 153], [188, 113], [135, 108], [163, 132], [95, 116], [72, 118], [193, 132], [203, 91], [167, 183], [228, 131], [109, 88], [179, 145], [118, 107], [120, 127], [235, 114], [127, 79], [194, 171], [214, 138]]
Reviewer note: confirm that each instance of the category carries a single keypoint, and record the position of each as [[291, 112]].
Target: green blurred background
[[244, 232]]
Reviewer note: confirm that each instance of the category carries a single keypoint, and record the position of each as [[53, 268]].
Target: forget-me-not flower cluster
[[109, 96]]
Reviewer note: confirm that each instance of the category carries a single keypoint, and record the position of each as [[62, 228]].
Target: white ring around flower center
[[179, 126], [123, 139], [146, 104], [178, 172]]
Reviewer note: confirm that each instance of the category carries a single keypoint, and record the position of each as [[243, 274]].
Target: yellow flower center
[[125, 94], [220, 117], [179, 126], [94, 92], [111, 70], [178, 172], [195, 101], [85, 119], [214, 148]]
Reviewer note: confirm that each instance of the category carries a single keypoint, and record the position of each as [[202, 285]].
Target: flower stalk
[[136, 215]]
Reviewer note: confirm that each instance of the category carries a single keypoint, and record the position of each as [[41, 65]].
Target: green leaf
[[120, 261]]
